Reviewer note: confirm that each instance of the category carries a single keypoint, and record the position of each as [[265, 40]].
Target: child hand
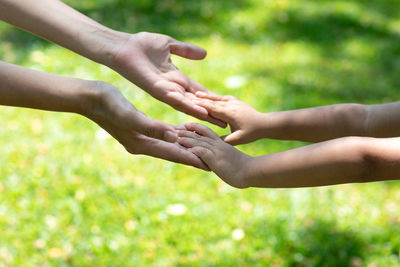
[[227, 162], [242, 118]]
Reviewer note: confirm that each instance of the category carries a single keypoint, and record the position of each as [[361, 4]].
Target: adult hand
[[138, 133], [145, 59]]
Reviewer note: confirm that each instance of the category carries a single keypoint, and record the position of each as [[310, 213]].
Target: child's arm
[[310, 125], [98, 101], [343, 160]]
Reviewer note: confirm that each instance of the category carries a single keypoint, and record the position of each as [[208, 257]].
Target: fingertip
[[201, 94], [184, 141], [229, 141], [190, 126], [170, 136], [180, 127], [201, 111], [189, 51]]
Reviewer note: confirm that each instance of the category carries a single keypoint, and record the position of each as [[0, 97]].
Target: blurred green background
[[72, 196]]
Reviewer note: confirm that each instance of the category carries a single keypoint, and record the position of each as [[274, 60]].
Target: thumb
[[234, 138], [187, 50], [154, 128]]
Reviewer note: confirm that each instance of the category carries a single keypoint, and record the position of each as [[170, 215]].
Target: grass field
[[72, 196]]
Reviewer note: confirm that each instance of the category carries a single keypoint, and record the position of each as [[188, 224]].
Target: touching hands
[[145, 59], [138, 133], [227, 162], [242, 118]]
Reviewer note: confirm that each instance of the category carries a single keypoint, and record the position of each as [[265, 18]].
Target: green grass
[[71, 197]]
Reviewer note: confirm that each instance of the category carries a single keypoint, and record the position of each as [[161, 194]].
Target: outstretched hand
[[242, 118], [138, 133], [227, 162], [145, 59]]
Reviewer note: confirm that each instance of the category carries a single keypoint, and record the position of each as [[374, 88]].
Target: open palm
[[145, 60]]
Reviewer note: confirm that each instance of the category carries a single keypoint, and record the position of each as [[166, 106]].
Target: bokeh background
[[72, 196]]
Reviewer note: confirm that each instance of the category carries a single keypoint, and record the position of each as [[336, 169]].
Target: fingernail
[[170, 136]]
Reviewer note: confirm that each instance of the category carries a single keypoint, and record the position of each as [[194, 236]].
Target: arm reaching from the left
[[343, 160], [143, 58], [98, 101]]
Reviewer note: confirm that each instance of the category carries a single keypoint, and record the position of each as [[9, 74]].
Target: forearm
[[315, 124], [344, 160], [59, 23], [23, 87]]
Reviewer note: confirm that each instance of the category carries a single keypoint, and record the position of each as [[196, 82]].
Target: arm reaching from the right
[[343, 160], [310, 124]]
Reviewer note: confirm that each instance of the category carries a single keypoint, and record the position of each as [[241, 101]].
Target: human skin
[[310, 125], [338, 161], [99, 102], [142, 58]]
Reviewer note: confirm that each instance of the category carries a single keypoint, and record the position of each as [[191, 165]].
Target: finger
[[205, 95], [209, 118], [204, 154], [215, 97], [190, 142], [186, 50], [214, 108], [180, 127], [235, 138], [154, 128], [182, 103], [180, 78], [217, 122], [196, 86], [193, 135], [169, 151], [201, 129]]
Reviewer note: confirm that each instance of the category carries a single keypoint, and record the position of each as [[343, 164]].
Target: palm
[[145, 59]]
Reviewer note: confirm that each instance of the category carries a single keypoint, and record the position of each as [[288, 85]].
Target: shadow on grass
[[318, 244]]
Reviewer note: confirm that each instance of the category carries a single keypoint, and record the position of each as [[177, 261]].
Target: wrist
[[265, 125], [105, 45], [271, 125], [249, 172], [91, 95]]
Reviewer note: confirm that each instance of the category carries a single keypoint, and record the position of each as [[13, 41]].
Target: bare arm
[[329, 122], [142, 58], [22, 87], [338, 161], [98, 101], [343, 160], [310, 125]]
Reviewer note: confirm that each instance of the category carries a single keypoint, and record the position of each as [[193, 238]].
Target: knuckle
[[150, 130]]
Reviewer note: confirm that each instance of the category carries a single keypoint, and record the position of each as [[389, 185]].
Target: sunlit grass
[[72, 196]]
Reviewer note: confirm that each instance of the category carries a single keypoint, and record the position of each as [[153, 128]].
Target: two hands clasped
[[353, 142]]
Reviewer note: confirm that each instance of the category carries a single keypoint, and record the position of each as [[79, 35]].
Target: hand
[[227, 162], [242, 118], [145, 59], [138, 133]]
